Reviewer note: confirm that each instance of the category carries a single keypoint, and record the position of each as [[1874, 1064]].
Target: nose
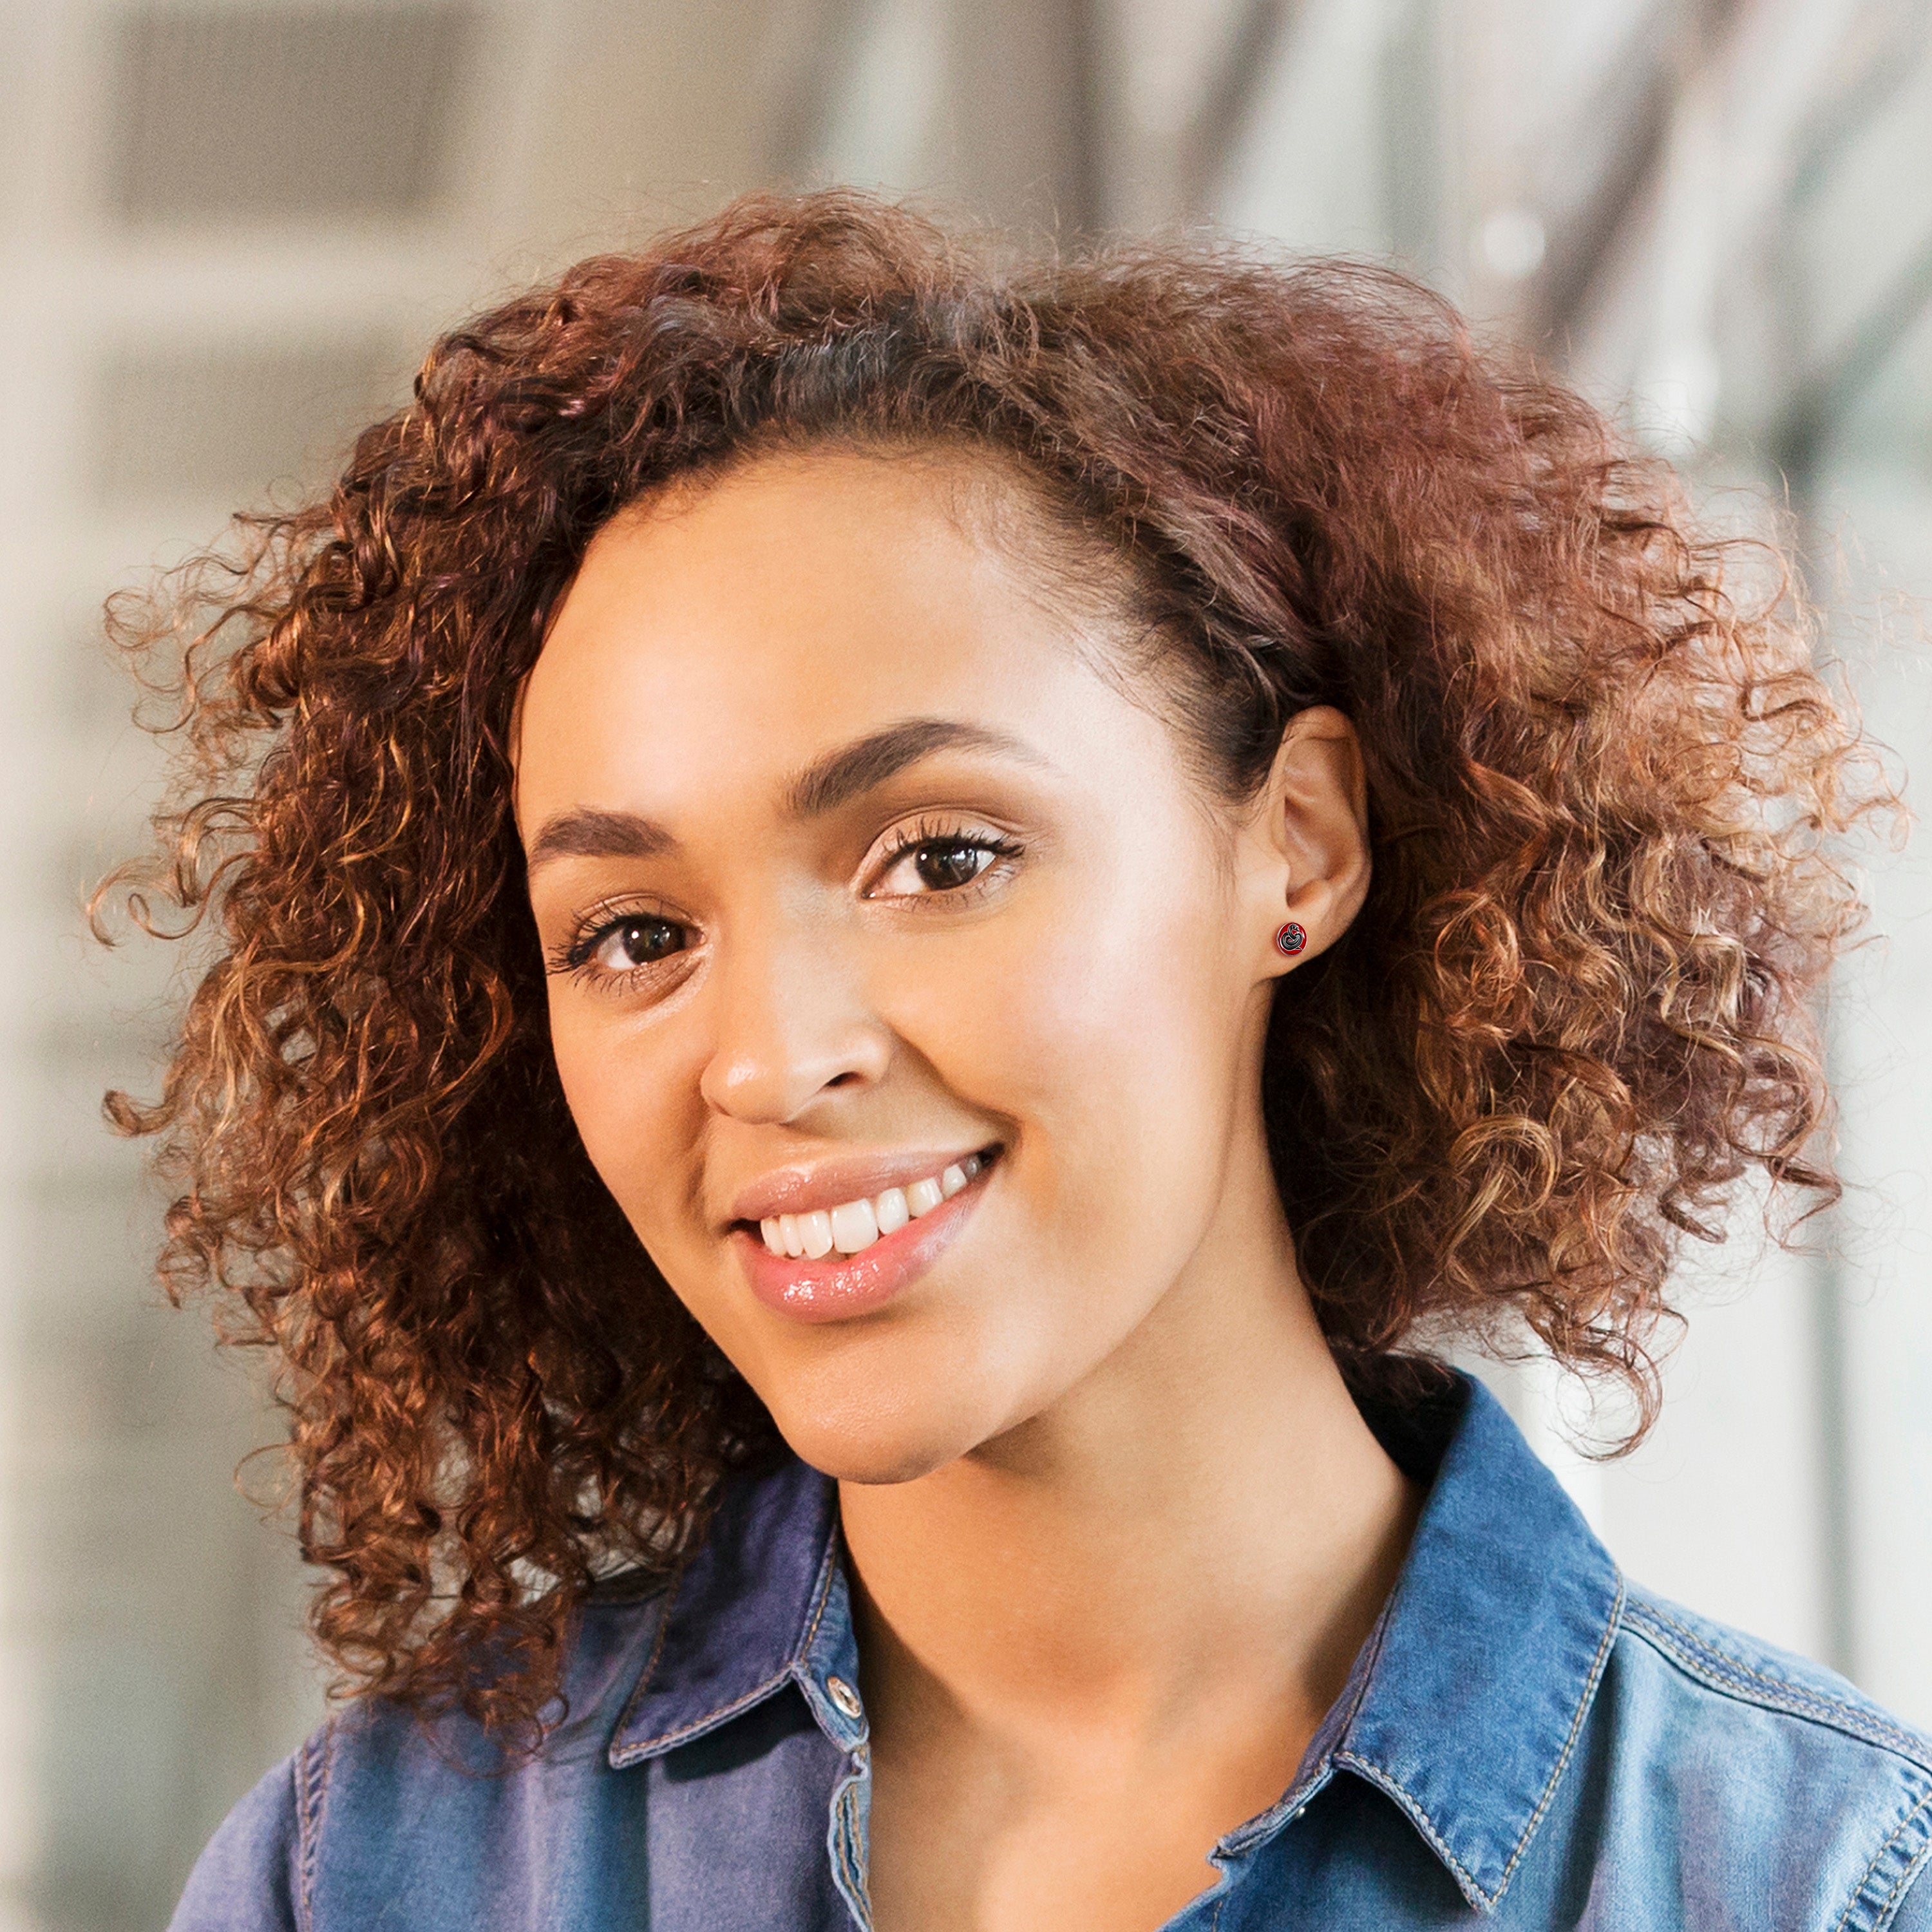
[[793, 1023]]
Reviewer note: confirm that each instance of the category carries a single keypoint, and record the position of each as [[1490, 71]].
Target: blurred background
[[228, 228]]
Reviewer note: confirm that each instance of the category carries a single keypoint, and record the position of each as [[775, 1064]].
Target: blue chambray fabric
[[1524, 1741]]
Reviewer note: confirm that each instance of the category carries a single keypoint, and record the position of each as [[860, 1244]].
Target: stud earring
[[1291, 938]]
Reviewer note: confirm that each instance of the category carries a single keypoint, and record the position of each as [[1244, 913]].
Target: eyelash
[[927, 832], [576, 956]]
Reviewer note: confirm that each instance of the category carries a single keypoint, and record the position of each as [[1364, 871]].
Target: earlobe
[[1317, 808]]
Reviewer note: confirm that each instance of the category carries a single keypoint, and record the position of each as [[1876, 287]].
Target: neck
[[1208, 1507]]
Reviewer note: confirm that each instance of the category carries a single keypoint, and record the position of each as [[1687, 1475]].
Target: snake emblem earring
[[1291, 938]]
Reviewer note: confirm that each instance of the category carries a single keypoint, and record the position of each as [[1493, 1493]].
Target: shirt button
[[842, 1694]]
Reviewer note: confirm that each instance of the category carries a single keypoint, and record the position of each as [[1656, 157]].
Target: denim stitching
[[1412, 1806], [823, 1596], [650, 1668], [1723, 1660], [1297, 1798], [1892, 1897], [1412, 1809], [843, 1836], [1731, 1674], [1583, 1703], [311, 1776], [1913, 1866], [1785, 1686], [1912, 1870], [713, 1720]]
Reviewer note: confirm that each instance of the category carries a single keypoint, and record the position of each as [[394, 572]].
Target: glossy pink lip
[[840, 1285], [827, 1183]]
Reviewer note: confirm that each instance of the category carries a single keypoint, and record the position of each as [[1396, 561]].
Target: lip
[[841, 1286], [826, 1184]]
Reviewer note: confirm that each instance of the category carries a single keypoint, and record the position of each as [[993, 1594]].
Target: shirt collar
[[763, 1603], [1464, 1706]]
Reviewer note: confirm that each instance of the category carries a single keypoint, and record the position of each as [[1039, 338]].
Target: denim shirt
[[1526, 1741]]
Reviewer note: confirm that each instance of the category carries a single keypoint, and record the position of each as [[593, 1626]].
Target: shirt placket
[[828, 1674]]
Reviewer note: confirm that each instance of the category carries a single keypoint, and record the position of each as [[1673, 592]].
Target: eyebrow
[[586, 833], [842, 775], [823, 786]]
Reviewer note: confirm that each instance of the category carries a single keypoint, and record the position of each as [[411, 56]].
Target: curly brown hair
[[1606, 792]]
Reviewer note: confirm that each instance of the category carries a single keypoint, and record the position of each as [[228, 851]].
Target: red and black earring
[[1291, 938]]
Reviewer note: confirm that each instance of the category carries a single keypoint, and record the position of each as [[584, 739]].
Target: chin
[[876, 1436]]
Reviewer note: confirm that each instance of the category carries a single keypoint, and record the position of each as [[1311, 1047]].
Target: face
[[884, 931]]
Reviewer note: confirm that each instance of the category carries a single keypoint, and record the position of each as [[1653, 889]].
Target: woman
[[894, 938]]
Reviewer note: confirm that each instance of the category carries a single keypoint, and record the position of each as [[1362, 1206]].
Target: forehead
[[725, 629]]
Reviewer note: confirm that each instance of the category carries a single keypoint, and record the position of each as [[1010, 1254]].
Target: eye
[[638, 939], [943, 863]]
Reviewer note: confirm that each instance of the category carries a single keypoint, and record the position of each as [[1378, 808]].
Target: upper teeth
[[854, 1225]]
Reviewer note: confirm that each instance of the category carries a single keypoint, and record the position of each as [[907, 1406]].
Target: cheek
[[1104, 1035], [629, 1109]]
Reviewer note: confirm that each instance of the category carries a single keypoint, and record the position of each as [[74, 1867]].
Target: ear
[[1308, 839]]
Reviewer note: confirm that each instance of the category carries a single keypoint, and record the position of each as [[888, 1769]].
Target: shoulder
[[382, 1809], [249, 1879], [1741, 1670], [1768, 1769]]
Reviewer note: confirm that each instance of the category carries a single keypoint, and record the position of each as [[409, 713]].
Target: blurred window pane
[[261, 114], [225, 425]]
